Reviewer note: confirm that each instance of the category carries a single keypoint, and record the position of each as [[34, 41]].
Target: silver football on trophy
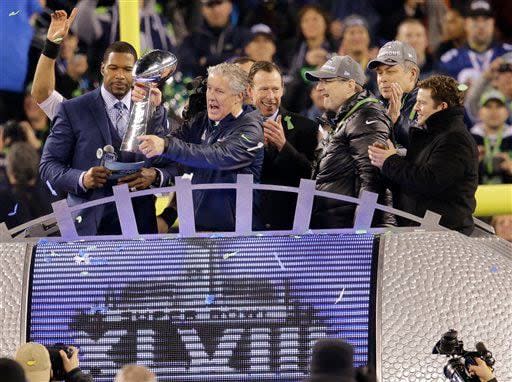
[[154, 67]]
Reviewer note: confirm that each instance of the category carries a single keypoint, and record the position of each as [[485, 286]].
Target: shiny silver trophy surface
[[154, 67]]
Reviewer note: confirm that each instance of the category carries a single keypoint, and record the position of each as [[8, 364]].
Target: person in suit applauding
[[290, 143]]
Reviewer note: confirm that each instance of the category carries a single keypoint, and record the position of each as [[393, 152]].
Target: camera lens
[[448, 342], [455, 371]]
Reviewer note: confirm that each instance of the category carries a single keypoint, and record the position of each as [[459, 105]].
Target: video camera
[[457, 368], [196, 99], [59, 374]]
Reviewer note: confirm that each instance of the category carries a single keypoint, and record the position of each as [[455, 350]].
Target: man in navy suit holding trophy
[[82, 125]]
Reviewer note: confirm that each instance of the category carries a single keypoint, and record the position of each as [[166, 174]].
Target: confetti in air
[[14, 211], [279, 261], [340, 296], [210, 299], [228, 255]]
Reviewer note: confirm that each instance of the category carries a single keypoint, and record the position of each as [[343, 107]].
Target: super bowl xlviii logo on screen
[[252, 327]]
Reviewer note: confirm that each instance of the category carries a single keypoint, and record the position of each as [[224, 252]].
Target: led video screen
[[215, 309]]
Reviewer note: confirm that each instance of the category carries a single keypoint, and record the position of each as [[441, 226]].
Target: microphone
[[108, 154]]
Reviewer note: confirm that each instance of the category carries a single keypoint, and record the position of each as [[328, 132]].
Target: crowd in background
[[298, 36]]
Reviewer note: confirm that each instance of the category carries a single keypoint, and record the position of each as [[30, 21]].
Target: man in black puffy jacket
[[343, 166]]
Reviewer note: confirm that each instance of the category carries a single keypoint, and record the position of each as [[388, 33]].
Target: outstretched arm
[[44, 78]]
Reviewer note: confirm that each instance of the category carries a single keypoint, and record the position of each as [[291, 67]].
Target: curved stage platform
[[226, 307]]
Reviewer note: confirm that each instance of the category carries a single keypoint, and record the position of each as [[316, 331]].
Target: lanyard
[[412, 114], [354, 109], [492, 150], [480, 61]]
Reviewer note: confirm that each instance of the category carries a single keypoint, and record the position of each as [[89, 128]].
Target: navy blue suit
[[80, 127]]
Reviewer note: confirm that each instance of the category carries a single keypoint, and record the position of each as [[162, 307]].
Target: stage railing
[[65, 215]]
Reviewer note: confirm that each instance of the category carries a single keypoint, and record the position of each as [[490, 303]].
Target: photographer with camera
[[494, 139], [482, 371], [57, 363], [464, 365]]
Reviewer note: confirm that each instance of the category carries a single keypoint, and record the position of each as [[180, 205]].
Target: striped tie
[[121, 120]]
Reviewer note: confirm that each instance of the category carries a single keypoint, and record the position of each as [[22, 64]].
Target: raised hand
[[59, 25]]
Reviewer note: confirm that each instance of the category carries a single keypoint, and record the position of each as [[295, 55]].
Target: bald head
[[135, 373]]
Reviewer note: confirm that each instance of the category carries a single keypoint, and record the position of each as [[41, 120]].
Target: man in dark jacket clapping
[[343, 166], [440, 171]]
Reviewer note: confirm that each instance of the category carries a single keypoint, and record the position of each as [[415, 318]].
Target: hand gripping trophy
[[154, 67]]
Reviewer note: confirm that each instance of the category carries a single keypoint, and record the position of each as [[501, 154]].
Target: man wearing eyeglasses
[[343, 166]]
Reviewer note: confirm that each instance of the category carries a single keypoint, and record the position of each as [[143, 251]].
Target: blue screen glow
[[215, 309]]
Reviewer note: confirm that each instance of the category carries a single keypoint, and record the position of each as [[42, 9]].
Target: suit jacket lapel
[[100, 115]]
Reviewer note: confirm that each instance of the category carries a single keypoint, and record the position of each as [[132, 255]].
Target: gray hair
[[408, 66], [135, 373], [22, 163], [237, 78]]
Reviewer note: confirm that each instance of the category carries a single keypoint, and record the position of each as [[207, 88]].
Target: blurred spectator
[[503, 19], [215, 41], [429, 12], [71, 68], [503, 226], [499, 76], [23, 196], [312, 48], [341, 9], [245, 63], [365, 374], [332, 360], [356, 44], [279, 15], [494, 139], [413, 32], [14, 131], [397, 75], [135, 373], [454, 34], [11, 370], [74, 81], [317, 104], [466, 64], [290, 143], [15, 35], [261, 45], [35, 360], [314, 42], [183, 16], [98, 31], [36, 118]]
